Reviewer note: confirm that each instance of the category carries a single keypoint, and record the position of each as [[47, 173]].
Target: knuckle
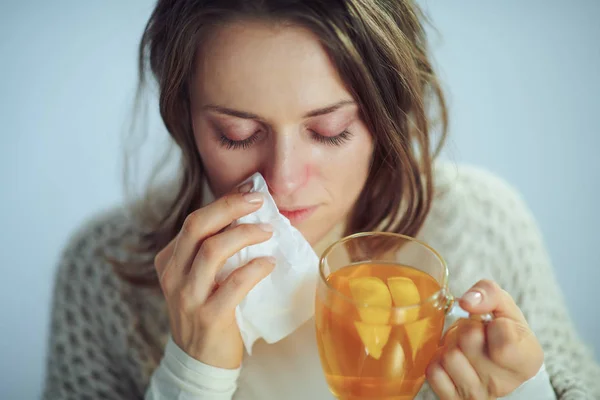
[[260, 269], [470, 336], [229, 202], [470, 393], [167, 282], [209, 248], [493, 386], [434, 370], [450, 335], [187, 300], [472, 390], [462, 393], [501, 352], [183, 298], [237, 280], [248, 230], [191, 222], [502, 330], [251, 233], [431, 370], [449, 358], [159, 259], [502, 324]]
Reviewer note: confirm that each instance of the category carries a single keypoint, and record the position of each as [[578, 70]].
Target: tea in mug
[[368, 349]]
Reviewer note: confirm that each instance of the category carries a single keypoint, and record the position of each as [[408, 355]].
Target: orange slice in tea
[[406, 293], [375, 295], [373, 329], [374, 337]]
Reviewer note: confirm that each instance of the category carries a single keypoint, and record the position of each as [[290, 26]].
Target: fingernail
[[473, 297], [245, 188], [266, 227], [272, 260], [253, 198]]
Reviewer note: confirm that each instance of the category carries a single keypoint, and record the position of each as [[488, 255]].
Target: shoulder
[[100, 229], [482, 226], [480, 185], [475, 193], [86, 275], [97, 240], [86, 288], [115, 233], [97, 317]]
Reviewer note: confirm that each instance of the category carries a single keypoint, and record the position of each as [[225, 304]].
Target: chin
[[312, 234], [314, 228]]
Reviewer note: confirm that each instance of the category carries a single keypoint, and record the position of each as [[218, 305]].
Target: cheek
[[349, 166], [344, 171], [224, 170], [354, 169]]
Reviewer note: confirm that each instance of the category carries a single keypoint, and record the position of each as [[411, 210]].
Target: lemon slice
[[374, 337], [405, 293], [394, 360], [373, 329], [374, 294]]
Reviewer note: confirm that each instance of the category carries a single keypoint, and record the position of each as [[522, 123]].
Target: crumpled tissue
[[285, 299]]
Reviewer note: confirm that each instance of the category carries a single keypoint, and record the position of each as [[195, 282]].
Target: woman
[[333, 102]]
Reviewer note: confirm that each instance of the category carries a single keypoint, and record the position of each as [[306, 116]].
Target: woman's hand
[[202, 312], [485, 361]]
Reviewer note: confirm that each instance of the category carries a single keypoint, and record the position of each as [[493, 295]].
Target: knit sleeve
[[181, 377], [523, 268], [82, 362]]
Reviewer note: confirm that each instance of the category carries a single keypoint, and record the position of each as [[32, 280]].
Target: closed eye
[[237, 144], [336, 140]]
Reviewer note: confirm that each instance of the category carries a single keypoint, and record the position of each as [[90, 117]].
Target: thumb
[[487, 297]]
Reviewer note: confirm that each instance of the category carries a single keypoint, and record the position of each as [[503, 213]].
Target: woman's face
[[268, 99]]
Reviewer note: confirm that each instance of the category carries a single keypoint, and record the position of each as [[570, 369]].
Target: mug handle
[[453, 309]]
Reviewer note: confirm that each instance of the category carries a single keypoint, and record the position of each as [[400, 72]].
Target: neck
[[330, 237]]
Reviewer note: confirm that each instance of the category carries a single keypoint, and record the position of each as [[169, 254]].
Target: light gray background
[[524, 85]]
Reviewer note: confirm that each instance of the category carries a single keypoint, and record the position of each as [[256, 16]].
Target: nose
[[286, 169]]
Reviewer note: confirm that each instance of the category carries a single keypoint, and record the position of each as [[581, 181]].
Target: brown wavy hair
[[380, 50]]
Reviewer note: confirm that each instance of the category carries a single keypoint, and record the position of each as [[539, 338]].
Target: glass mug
[[381, 304]]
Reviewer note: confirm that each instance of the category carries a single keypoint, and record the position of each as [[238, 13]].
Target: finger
[[450, 337], [512, 345], [215, 250], [162, 258], [440, 382], [467, 383], [487, 297], [209, 220], [239, 283], [471, 339]]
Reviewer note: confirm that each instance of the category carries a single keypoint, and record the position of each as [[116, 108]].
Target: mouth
[[296, 215]]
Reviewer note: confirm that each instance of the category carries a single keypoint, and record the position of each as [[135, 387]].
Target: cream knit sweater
[[108, 337]]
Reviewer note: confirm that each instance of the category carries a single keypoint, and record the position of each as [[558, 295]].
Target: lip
[[298, 214]]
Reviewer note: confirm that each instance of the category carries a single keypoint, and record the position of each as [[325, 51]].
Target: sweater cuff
[[180, 376], [538, 387]]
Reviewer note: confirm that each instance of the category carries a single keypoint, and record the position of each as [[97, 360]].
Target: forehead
[[277, 71]]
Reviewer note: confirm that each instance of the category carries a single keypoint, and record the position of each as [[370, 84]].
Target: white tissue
[[284, 300]]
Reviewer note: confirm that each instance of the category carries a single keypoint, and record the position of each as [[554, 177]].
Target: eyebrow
[[247, 115]]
